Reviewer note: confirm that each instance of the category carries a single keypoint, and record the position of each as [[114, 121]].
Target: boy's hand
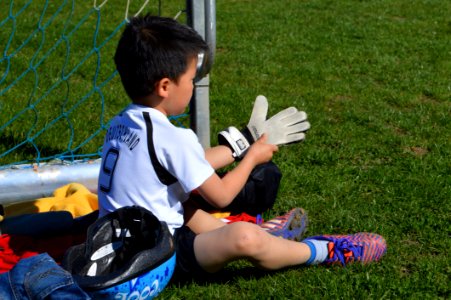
[[260, 151]]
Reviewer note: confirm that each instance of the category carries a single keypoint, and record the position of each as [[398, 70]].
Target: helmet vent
[[92, 270], [106, 250]]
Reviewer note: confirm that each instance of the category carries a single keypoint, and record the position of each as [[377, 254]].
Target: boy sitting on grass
[[149, 162]]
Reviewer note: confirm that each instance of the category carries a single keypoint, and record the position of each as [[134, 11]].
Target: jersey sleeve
[[187, 161]]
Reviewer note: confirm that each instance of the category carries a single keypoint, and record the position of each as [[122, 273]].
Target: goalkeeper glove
[[287, 126]]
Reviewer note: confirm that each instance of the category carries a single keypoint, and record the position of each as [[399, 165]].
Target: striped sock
[[319, 251]]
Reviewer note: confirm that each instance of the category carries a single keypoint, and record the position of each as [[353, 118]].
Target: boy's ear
[[162, 87]]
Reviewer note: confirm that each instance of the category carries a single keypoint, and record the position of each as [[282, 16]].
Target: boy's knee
[[248, 238]]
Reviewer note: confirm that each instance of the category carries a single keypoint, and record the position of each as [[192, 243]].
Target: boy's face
[[182, 91]]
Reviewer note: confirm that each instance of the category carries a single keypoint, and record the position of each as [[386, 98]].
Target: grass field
[[375, 80]]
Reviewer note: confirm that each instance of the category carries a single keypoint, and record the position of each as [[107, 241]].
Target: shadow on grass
[[8, 140], [225, 276], [27, 151]]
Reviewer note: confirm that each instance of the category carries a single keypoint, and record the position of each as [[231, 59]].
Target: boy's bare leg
[[214, 249], [218, 243], [198, 220]]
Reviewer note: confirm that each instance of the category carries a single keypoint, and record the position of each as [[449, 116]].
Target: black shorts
[[186, 262]]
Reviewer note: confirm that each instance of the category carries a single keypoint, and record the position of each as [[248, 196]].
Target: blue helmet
[[128, 254]]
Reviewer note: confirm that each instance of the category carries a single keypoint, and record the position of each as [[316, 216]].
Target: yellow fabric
[[74, 198], [220, 214]]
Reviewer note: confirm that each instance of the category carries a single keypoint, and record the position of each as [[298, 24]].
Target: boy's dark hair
[[152, 48]]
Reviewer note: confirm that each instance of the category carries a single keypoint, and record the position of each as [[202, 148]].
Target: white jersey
[[147, 161]]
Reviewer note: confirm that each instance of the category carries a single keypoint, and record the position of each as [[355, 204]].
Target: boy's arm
[[219, 156], [220, 192]]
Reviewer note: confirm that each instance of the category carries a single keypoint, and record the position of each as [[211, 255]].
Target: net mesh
[[58, 84]]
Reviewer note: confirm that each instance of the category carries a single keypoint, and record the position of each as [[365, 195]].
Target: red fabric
[[13, 248], [244, 217]]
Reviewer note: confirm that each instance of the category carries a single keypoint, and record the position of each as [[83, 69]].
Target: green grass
[[375, 80]]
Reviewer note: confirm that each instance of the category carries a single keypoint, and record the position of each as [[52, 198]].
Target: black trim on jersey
[[165, 177]]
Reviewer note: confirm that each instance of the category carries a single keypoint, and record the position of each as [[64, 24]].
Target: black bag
[[258, 194]]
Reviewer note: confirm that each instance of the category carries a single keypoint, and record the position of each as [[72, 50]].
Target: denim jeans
[[39, 277]]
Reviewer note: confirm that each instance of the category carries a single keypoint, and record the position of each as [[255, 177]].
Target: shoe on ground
[[360, 247], [291, 225]]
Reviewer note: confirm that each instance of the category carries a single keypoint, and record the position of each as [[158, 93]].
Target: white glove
[[287, 126], [256, 125]]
